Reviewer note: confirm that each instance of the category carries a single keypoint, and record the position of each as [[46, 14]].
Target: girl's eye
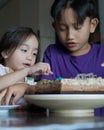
[[23, 50], [34, 54], [62, 28], [77, 27]]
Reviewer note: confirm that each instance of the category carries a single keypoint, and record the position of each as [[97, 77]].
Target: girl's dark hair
[[81, 8], [13, 38]]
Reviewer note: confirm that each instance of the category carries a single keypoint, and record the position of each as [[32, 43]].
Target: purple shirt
[[67, 66]]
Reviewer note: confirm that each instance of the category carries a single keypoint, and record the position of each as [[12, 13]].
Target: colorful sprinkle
[[59, 78]]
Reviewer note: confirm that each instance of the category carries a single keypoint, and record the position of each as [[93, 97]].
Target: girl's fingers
[[2, 96], [41, 68], [16, 99], [8, 97]]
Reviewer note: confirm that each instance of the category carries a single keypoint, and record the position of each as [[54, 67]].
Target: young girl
[[73, 54], [18, 55]]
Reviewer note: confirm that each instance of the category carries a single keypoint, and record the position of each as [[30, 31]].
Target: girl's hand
[[15, 92], [41, 68]]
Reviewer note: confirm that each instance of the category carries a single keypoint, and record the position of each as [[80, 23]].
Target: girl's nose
[[69, 35], [29, 56]]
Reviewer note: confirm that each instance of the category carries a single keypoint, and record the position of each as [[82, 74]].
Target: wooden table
[[36, 118]]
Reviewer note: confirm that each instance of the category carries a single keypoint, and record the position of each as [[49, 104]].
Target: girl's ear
[[54, 25], [4, 54], [94, 23]]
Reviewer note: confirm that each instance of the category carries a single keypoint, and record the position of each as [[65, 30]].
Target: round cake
[[74, 85]]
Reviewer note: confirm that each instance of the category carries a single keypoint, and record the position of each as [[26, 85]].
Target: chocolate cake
[[75, 85], [48, 86]]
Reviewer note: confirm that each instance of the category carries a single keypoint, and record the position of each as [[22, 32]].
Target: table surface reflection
[[37, 118]]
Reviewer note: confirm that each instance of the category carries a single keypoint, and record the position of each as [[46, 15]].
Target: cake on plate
[[79, 84]]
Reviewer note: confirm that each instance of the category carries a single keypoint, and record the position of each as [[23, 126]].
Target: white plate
[[5, 108], [66, 102]]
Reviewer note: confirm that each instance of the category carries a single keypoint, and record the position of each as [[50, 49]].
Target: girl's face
[[24, 55], [74, 38]]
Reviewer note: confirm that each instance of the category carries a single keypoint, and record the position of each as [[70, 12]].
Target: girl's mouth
[[26, 65], [71, 44]]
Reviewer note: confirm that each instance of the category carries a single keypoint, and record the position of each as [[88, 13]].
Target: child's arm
[[16, 76], [13, 78]]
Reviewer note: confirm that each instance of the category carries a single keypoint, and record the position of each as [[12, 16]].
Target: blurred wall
[[32, 13], [101, 14]]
